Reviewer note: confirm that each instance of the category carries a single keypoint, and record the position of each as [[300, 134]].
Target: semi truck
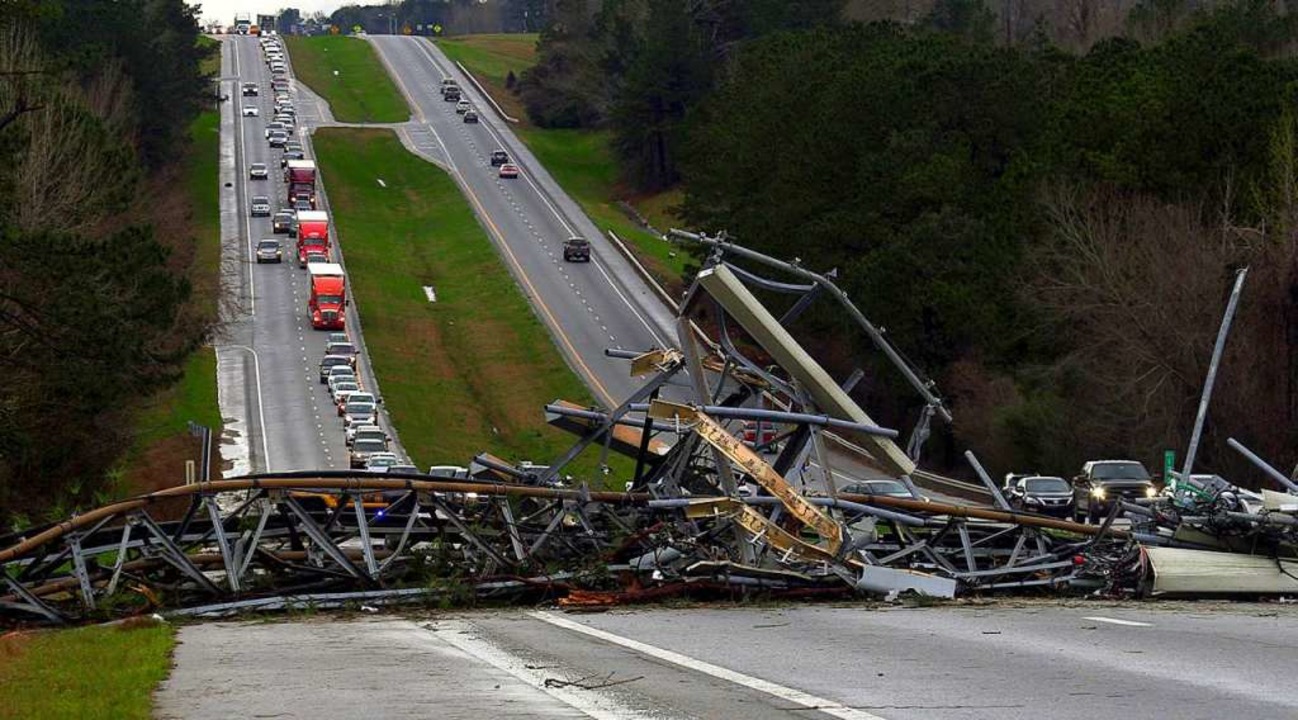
[[312, 234], [328, 296], [242, 24], [300, 175]]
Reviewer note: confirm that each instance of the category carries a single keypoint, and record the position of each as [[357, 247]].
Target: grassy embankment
[[471, 371], [332, 66], [162, 440], [92, 672], [580, 160]]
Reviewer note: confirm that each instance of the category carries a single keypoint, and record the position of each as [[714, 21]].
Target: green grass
[[211, 65], [192, 398], [580, 160], [361, 91], [93, 672], [472, 371], [492, 56]]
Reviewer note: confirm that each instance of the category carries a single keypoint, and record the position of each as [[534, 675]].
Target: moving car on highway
[[260, 206], [576, 249], [462, 107], [499, 157], [258, 171], [471, 117], [251, 111], [509, 170], [250, 89]]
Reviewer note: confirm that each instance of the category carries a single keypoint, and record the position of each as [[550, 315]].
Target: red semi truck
[[312, 234], [328, 296], [300, 175]]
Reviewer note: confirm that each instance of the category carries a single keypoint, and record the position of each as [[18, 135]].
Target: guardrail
[[499, 110]]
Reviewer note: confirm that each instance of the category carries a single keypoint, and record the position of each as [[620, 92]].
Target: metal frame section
[[726, 497], [296, 534]]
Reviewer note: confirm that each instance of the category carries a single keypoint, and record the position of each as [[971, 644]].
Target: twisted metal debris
[[704, 511]]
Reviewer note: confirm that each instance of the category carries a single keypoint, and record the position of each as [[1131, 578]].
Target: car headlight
[[1098, 493], [1150, 492], [1032, 501]]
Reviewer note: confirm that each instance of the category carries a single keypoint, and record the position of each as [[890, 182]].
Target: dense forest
[[1049, 230], [96, 97]]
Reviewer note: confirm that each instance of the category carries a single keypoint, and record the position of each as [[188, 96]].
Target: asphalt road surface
[[278, 416], [586, 306], [1006, 661]]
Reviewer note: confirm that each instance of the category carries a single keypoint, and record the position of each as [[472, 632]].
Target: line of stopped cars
[[301, 218], [1100, 488]]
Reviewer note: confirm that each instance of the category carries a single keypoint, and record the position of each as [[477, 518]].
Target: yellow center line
[[536, 296]]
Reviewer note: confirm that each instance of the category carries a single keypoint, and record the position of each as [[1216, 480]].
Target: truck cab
[[328, 303], [312, 234]]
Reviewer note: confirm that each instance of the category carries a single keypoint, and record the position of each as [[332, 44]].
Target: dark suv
[[576, 249], [1102, 483]]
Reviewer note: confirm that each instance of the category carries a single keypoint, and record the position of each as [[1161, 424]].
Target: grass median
[[347, 73], [471, 371], [581, 161], [92, 672]]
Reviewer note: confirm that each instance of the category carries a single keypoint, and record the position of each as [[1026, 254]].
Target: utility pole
[[1217, 350]]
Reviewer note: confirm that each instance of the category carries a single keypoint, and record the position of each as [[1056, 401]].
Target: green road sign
[[1169, 464]]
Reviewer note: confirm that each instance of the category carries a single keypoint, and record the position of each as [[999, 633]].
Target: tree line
[[1049, 232], [96, 98]]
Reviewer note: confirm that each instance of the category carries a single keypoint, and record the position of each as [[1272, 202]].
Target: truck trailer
[[312, 234], [300, 176], [328, 301]]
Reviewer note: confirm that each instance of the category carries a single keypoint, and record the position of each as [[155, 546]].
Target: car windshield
[[369, 445], [367, 398], [329, 300], [334, 361], [268, 245], [360, 408], [1046, 485], [886, 487], [342, 349], [577, 241], [1120, 471], [259, 166], [346, 387], [261, 200]]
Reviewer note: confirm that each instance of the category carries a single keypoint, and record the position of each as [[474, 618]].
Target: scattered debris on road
[[733, 492]]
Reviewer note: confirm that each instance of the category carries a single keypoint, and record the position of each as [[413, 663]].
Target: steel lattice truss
[[703, 510]]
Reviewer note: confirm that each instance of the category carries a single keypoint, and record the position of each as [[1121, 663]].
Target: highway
[[278, 416], [586, 307], [1010, 661]]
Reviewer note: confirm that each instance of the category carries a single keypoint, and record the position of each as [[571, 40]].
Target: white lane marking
[[554, 211], [261, 406], [242, 174], [1116, 621], [788, 694], [603, 706]]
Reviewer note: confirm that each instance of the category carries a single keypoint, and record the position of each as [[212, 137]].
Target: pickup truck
[[1102, 483]]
